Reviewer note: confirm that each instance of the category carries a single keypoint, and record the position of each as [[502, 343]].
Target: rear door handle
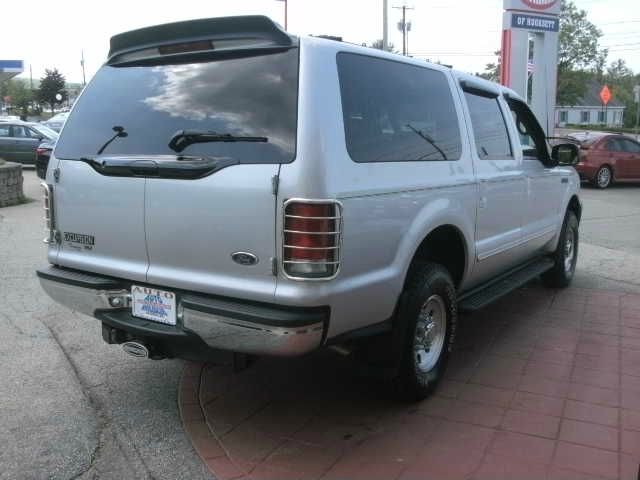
[[564, 180]]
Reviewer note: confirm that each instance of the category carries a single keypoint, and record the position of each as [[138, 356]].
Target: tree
[[579, 53], [52, 85], [21, 96], [621, 80], [377, 44], [579, 47], [492, 70]]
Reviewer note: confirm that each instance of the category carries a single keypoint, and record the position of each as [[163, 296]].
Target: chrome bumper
[[216, 330]]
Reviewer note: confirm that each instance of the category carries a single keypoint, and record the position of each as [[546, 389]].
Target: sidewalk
[[542, 385]]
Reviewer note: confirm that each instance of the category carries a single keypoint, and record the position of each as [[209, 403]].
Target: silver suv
[[222, 185]]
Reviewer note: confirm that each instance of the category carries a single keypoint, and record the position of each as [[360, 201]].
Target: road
[[74, 407]]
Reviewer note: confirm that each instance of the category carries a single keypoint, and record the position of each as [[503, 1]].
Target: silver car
[[19, 140], [221, 184]]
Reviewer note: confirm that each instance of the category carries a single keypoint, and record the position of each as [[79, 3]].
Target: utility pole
[[84, 81], [285, 13], [403, 27], [385, 30]]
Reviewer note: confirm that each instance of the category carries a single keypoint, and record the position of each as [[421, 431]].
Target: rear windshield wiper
[[429, 140], [183, 138]]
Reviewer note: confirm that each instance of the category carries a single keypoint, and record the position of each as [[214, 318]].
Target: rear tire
[[566, 254], [603, 177], [428, 319]]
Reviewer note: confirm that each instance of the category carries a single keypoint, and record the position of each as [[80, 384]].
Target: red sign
[[605, 94], [540, 4]]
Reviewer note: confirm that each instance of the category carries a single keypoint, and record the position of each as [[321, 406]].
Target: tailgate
[[101, 222]]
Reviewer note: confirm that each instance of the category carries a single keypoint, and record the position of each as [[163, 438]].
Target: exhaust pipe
[[136, 349]]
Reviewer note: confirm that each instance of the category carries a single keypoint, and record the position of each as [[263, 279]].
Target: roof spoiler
[[249, 28]]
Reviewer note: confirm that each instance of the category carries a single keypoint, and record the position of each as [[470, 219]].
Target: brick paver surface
[[543, 384]]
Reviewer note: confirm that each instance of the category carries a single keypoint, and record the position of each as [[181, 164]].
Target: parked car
[[606, 158], [19, 140], [278, 194], [43, 153], [57, 121]]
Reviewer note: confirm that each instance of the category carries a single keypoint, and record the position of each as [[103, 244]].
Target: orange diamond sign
[[605, 94]]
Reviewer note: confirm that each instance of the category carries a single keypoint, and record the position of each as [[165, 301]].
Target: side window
[[489, 128], [4, 130], [630, 146], [613, 145], [396, 112], [20, 132], [530, 134]]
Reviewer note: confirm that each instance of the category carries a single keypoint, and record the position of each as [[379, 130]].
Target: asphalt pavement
[[74, 407]]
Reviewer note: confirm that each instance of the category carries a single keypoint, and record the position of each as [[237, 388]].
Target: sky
[[462, 33]]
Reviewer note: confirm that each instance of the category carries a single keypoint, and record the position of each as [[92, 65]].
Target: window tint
[[395, 112], [530, 133], [613, 145], [489, 128], [20, 132], [4, 130], [629, 146], [254, 96]]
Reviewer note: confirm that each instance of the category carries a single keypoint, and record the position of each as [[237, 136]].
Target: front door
[[628, 159], [501, 186], [25, 145], [543, 182]]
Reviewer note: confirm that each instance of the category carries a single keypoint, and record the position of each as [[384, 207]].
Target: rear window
[[396, 112], [253, 96]]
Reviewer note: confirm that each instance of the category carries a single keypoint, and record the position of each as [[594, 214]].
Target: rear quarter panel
[[388, 208]]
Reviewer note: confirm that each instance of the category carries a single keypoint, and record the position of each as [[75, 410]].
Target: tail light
[[312, 235], [43, 151], [49, 218]]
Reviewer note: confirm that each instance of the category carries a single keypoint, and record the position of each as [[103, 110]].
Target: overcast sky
[[463, 33]]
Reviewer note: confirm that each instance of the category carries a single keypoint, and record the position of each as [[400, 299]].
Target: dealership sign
[[535, 22], [539, 6]]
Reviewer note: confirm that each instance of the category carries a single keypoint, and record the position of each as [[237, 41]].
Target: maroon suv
[[606, 157]]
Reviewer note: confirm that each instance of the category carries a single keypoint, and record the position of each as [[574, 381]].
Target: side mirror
[[565, 153]]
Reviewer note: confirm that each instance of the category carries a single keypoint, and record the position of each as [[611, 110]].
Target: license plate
[[153, 304]]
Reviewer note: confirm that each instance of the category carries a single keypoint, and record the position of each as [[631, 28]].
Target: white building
[[589, 110]]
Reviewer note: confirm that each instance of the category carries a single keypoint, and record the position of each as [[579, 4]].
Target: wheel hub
[[430, 333], [569, 250]]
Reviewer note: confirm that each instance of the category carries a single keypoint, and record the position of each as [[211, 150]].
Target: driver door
[[544, 184]]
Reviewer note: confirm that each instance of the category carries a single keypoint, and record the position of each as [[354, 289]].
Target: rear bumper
[[204, 321], [586, 171]]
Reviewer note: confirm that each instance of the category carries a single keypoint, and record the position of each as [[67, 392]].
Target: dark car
[[43, 153], [605, 158], [19, 140]]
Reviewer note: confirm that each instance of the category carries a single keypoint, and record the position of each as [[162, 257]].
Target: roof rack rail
[[250, 28]]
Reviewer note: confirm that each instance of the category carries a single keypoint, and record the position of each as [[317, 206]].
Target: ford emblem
[[244, 258]]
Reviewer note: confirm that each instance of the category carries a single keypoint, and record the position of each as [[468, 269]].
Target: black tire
[[603, 177], [561, 274], [429, 286]]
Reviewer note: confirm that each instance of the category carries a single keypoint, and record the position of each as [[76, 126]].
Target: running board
[[485, 294]]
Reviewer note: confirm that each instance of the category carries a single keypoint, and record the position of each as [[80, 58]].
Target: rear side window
[[396, 112], [489, 128], [248, 96]]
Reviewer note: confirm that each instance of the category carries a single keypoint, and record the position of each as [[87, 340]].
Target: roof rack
[[242, 30]]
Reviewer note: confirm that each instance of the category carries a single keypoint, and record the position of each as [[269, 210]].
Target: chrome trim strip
[[248, 337], [515, 243], [217, 331]]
